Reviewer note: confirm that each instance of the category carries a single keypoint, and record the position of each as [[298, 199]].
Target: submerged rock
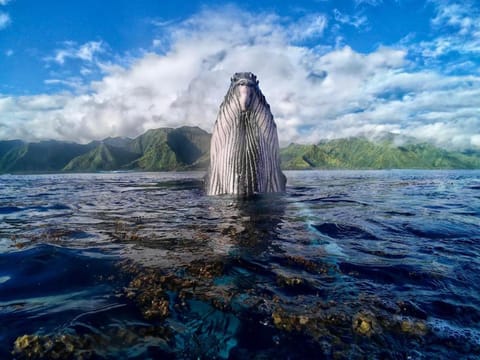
[[148, 291], [365, 323], [52, 347], [414, 327], [149, 287], [206, 269], [293, 281], [85, 346]]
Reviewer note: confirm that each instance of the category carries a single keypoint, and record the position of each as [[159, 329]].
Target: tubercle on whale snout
[[244, 77]]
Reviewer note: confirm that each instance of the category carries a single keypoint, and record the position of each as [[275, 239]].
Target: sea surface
[[345, 265]]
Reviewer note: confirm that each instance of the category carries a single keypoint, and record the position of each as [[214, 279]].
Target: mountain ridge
[[361, 153], [187, 148]]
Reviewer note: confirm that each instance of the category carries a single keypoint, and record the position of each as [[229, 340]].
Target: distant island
[[187, 148]]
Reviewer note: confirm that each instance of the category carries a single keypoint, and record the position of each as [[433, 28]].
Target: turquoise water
[[345, 265]]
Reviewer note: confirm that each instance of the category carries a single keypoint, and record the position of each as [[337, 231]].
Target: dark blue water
[[346, 265]]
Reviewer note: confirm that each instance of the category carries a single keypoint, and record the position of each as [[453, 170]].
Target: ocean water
[[345, 265]]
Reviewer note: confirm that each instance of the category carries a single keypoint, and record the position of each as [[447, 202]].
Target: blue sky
[[87, 70]]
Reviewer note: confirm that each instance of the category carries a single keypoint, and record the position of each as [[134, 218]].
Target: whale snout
[[244, 85], [245, 95]]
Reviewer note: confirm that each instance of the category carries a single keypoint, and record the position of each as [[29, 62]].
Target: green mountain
[[360, 153], [171, 149], [8, 145], [186, 148], [103, 157], [9, 150], [41, 156], [159, 149], [120, 142], [162, 149]]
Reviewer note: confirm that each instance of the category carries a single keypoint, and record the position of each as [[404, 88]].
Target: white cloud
[[475, 140], [454, 15], [74, 83], [87, 51], [313, 94], [4, 2], [457, 32], [85, 71], [161, 23], [4, 20], [356, 21], [369, 2], [71, 50], [9, 52], [308, 27]]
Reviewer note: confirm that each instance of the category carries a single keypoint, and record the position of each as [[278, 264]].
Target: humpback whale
[[244, 151]]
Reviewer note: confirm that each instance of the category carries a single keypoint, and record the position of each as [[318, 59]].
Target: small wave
[[400, 213], [185, 184], [384, 254], [334, 249], [447, 331], [342, 231], [441, 230], [53, 207], [59, 207], [10, 209], [389, 274], [47, 269], [461, 313]]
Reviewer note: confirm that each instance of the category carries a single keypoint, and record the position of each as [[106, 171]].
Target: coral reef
[[85, 346], [235, 289], [56, 347]]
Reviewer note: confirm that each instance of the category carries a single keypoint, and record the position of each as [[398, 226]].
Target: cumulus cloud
[[314, 93]]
